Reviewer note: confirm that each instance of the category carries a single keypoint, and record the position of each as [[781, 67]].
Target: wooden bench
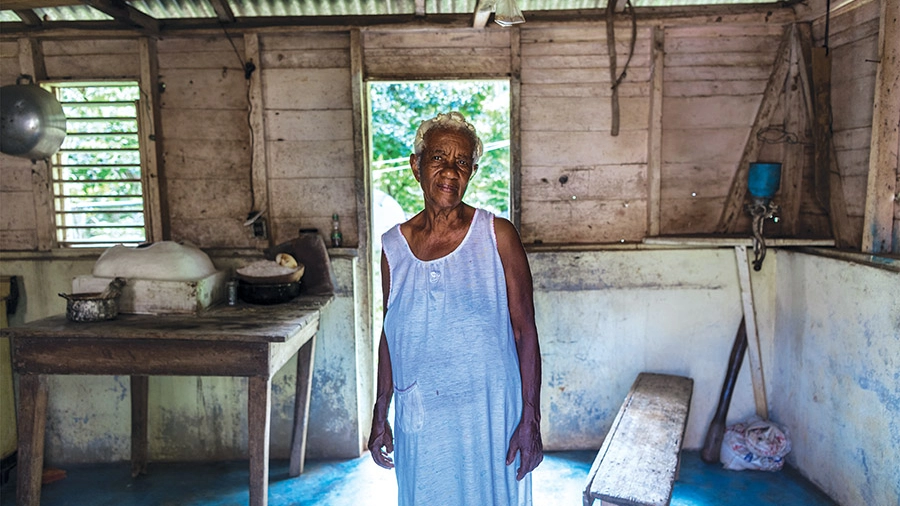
[[638, 462]]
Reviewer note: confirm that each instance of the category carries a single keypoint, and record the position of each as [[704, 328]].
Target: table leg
[[305, 362], [259, 404], [32, 419], [139, 392]]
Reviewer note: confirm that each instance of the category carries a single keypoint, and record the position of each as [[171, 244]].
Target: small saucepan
[[94, 307]]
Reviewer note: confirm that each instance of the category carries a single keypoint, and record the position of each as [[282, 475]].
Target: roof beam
[[223, 11], [483, 9], [28, 17], [126, 14]]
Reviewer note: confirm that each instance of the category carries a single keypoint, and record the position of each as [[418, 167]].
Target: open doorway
[[396, 110]]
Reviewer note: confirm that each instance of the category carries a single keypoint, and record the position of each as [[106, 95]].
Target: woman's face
[[445, 167]]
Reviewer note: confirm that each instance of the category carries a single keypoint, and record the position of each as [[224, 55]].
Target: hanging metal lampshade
[[32, 121]]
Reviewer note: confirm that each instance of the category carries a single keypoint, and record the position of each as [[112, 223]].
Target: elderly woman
[[460, 346]]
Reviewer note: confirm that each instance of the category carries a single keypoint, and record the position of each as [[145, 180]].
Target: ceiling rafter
[[126, 14], [29, 17], [223, 11]]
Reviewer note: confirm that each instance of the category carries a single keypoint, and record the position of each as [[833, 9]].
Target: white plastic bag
[[755, 444]]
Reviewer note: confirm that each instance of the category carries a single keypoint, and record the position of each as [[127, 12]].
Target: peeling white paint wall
[[605, 316], [837, 375], [829, 339], [202, 418]]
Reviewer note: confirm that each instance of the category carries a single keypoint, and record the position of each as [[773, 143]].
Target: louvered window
[[97, 185]]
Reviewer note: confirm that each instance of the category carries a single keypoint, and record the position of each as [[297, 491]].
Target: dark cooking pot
[[268, 293], [32, 121]]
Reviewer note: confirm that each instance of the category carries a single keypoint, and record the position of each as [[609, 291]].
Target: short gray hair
[[449, 121]]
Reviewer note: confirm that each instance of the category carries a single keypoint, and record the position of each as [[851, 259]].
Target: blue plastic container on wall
[[764, 179]]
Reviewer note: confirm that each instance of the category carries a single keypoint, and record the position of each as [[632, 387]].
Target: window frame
[[146, 120]]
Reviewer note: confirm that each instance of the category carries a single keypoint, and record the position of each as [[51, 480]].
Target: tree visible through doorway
[[396, 110]]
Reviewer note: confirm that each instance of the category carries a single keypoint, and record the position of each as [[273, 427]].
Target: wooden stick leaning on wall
[[712, 446]]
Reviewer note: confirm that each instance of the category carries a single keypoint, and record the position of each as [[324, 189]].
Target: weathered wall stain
[[837, 354]]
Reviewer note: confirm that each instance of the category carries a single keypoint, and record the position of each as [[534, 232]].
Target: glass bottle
[[336, 236]]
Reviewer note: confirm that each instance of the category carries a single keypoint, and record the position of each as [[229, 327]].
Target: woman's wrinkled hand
[[526, 440], [381, 444]]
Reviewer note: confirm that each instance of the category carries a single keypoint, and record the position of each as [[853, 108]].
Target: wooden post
[[654, 142], [794, 154], [882, 200], [31, 62], [753, 350], [515, 126], [149, 122]]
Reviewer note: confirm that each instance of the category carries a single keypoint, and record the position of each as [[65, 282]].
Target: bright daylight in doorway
[[396, 110]]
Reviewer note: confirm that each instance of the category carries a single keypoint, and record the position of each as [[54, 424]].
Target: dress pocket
[[410, 409]]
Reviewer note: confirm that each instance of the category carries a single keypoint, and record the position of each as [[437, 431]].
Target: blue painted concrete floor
[[559, 480]]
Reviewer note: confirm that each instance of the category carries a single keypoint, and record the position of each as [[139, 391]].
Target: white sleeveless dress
[[457, 386]]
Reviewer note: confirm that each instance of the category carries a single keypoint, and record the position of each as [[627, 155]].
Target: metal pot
[[90, 307], [94, 307], [32, 121], [268, 293]]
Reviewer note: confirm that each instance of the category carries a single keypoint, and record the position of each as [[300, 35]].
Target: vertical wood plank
[[139, 398], [31, 62], [359, 99], [259, 400], [148, 121], [881, 191], [258, 166], [31, 59], [654, 142], [515, 126], [306, 359], [757, 377], [735, 200], [32, 418], [794, 154]]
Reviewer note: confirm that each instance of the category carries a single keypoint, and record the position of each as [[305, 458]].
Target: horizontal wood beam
[[37, 4], [719, 14]]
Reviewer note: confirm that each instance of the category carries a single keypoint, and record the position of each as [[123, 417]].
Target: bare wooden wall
[[309, 132], [206, 140], [714, 79], [580, 184], [282, 142], [18, 228], [26, 204], [853, 43]]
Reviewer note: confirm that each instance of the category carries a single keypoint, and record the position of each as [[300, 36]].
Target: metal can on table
[[232, 292]]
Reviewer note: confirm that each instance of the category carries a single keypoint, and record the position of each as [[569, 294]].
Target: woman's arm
[[381, 439], [520, 293]]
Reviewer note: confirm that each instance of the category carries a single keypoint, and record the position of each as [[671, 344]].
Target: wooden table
[[243, 340]]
